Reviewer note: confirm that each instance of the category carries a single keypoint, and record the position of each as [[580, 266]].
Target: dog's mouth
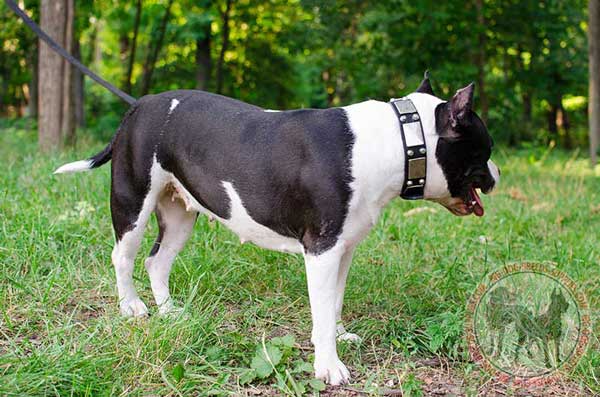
[[473, 203], [470, 204]]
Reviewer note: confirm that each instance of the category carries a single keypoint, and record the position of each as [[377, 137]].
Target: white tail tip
[[77, 166]]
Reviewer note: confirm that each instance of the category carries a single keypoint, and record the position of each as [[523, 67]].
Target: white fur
[[378, 175], [340, 288], [494, 171], [378, 161], [239, 222], [377, 168], [174, 103], [178, 224], [322, 273], [248, 229], [272, 110], [124, 252], [76, 166], [378, 172]]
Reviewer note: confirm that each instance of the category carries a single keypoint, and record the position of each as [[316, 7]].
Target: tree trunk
[[68, 104], [123, 47], [78, 88], [594, 78], [136, 28], [481, 23], [55, 106], [527, 107], [566, 126], [34, 83], [203, 62], [225, 43], [552, 126], [154, 51]]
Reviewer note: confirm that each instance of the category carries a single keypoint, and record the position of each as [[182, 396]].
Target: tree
[[481, 58], [56, 116], [154, 50], [594, 78], [203, 61], [224, 43], [133, 46]]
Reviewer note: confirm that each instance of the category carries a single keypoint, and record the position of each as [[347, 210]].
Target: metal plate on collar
[[405, 106], [413, 134], [416, 168]]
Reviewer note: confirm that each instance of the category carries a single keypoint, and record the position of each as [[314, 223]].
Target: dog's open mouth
[[471, 204], [474, 204]]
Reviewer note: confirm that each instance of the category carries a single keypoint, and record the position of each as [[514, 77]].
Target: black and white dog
[[307, 181]]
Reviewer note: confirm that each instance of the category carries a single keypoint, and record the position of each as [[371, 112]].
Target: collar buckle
[[415, 149]]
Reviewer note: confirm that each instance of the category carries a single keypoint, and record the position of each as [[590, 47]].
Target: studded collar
[[415, 149]]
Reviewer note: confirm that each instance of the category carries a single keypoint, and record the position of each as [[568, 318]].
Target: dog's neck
[[378, 155], [426, 104]]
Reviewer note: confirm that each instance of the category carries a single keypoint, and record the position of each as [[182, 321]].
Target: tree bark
[[552, 125], [55, 107], [78, 88], [34, 82], [154, 51], [594, 78], [203, 61], [480, 60], [68, 104], [136, 28], [566, 126], [527, 107], [225, 43]]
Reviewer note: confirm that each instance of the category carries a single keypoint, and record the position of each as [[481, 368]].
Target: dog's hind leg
[[500, 346], [133, 198], [175, 226]]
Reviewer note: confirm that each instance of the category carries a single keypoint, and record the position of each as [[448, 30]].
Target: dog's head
[[462, 153]]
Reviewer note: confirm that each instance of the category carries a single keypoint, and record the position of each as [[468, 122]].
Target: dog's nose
[[494, 171]]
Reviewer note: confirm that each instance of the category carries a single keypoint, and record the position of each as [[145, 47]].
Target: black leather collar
[[415, 149]]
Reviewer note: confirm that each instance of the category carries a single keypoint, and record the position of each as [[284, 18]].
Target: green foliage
[[411, 386], [530, 55], [406, 295], [18, 52], [278, 362]]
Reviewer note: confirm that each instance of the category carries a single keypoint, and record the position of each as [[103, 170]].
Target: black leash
[[62, 52]]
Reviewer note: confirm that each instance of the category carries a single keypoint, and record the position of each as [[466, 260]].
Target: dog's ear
[[425, 86], [461, 105]]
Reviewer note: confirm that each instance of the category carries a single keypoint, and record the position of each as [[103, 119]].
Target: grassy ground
[[60, 332]]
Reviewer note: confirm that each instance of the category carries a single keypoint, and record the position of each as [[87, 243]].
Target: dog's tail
[[95, 161], [100, 158]]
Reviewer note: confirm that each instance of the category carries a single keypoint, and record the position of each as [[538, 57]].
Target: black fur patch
[[291, 169], [463, 152]]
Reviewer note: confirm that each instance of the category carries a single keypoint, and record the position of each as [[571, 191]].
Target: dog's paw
[[349, 337], [333, 372], [133, 308], [168, 309]]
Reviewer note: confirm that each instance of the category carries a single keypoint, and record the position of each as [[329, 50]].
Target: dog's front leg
[[342, 334], [322, 276]]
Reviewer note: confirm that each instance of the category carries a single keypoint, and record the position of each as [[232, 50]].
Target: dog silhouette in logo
[[543, 328], [498, 316]]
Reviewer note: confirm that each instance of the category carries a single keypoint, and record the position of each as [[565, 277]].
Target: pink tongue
[[477, 206]]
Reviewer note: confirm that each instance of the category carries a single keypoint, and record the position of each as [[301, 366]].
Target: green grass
[[60, 332]]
